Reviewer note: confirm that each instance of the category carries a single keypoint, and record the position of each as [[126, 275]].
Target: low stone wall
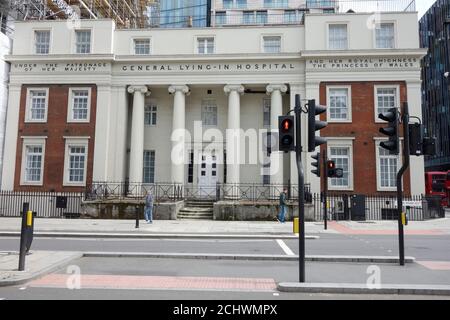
[[126, 209], [260, 211]]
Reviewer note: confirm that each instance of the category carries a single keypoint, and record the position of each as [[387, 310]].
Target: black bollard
[[137, 217], [23, 236]]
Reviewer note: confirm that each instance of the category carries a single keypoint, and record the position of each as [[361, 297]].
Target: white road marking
[[285, 248], [2, 298], [23, 288]]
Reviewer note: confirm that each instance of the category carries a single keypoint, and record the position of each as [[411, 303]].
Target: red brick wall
[[364, 129], [55, 129]]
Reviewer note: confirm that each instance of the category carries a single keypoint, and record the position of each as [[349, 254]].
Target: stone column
[[276, 157], [178, 153], [137, 135], [233, 137]]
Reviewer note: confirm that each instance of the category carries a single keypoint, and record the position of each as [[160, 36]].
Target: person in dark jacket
[[148, 213], [282, 214]]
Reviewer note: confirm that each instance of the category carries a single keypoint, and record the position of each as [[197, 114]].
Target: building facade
[[435, 35], [194, 106]]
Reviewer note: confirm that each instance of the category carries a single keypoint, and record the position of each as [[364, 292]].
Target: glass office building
[[184, 13], [435, 35]]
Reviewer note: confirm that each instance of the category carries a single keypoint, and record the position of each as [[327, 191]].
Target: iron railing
[[377, 207], [43, 203], [171, 192]]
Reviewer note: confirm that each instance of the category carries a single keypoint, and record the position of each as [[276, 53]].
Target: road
[[147, 278], [433, 248]]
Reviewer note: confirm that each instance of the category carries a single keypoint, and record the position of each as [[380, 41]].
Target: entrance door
[[207, 175]]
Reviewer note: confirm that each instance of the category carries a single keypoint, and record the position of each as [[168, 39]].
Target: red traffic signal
[[286, 133], [286, 125]]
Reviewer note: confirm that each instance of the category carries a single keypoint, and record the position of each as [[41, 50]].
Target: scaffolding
[[126, 13]]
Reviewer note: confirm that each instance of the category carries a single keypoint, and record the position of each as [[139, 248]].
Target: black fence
[[172, 192], [45, 204], [374, 207]]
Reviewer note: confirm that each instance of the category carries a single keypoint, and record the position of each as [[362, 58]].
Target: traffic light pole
[[325, 190], [301, 188], [401, 234]]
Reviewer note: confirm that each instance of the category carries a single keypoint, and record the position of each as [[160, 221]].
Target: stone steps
[[197, 209]]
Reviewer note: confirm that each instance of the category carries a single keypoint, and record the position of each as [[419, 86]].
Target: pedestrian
[[148, 213], [281, 215]]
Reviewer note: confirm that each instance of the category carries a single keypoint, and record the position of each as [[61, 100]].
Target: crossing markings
[[285, 248]]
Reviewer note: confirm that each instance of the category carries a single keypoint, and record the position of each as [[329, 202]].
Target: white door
[[207, 175]]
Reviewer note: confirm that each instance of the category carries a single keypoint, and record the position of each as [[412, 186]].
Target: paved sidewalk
[[37, 264], [9, 226]]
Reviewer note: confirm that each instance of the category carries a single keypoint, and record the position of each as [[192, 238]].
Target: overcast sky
[[423, 5]]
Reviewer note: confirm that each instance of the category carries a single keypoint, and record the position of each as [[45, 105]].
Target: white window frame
[[28, 105], [263, 41], [349, 103], [375, 35], [328, 34], [49, 41], [75, 142], [151, 104], [133, 46], [340, 142], [197, 38], [378, 140], [266, 104], [70, 118], [375, 93], [74, 42], [154, 166], [32, 141]]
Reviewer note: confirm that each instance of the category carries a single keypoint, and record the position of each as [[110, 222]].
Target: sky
[[423, 6]]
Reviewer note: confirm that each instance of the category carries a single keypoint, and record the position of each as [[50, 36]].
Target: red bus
[[436, 184]]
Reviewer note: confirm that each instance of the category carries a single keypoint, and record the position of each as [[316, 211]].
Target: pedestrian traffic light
[[392, 131], [331, 170], [415, 139], [316, 164], [315, 125], [286, 133]]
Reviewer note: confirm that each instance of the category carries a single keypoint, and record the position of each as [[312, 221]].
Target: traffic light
[[286, 133], [392, 131], [316, 164], [415, 139], [429, 146], [331, 170], [315, 125]]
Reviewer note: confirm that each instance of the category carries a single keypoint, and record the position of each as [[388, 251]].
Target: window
[[385, 99], [387, 169], [275, 3], [272, 44], [337, 37], [75, 164], [339, 104], [343, 159], [228, 4], [238, 4], [266, 112], [37, 104], [267, 149], [209, 112], [149, 166], [33, 168], [290, 16], [142, 46], [33, 152], [248, 17], [221, 18], [79, 104], [205, 45], [191, 167], [77, 160], [42, 41], [83, 41], [150, 114], [384, 36], [261, 17]]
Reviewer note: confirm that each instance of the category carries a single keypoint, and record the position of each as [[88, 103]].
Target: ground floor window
[[33, 153], [149, 166], [75, 164], [387, 167], [342, 156]]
